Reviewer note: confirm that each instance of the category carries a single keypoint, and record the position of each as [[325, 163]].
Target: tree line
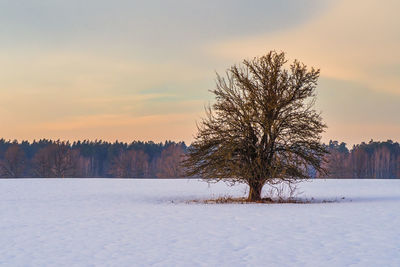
[[365, 160], [48, 158]]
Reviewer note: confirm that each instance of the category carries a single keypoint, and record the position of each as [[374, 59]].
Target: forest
[[48, 158], [365, 160]]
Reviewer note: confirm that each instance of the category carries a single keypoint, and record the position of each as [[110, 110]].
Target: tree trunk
[[255, 191]]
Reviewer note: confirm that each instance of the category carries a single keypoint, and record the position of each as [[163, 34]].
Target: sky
[[141, 70]]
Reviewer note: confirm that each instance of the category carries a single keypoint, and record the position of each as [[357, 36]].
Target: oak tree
[[262, 128]]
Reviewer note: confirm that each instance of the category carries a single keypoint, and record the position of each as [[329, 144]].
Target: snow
[[117, 222]]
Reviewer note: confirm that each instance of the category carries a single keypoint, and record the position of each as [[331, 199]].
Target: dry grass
[[242, 200]]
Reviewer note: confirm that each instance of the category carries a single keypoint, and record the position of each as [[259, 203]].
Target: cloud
[[131, 69], [88, 71], [148, 22], [353, 40], [355, 133], [356, 113], [175, 126], [355, 43]]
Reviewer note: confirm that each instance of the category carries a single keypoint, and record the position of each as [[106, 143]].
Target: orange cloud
[[354, 133], [121, 127], [352, 41]]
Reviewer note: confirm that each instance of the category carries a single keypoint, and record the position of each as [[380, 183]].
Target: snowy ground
[[111, 222]]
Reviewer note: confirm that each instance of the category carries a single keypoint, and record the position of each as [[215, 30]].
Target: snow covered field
[[113, 222]]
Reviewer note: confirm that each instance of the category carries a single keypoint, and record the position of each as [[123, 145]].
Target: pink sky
[[101, 71]]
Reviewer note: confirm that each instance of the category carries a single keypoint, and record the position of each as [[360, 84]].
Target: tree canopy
[[262, 128]]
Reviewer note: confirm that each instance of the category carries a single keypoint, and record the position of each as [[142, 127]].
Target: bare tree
[[65, 160], [169, 163], [13, 165], [43, 162], [130, 164], [337, 161], [262, 128]]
